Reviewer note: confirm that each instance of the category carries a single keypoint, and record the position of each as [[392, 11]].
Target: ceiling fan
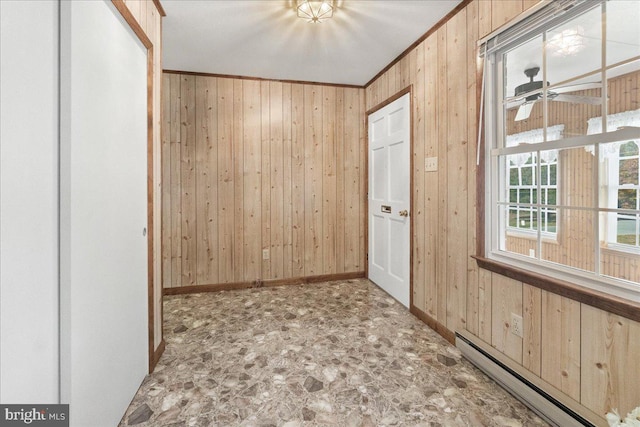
[[526, 102]]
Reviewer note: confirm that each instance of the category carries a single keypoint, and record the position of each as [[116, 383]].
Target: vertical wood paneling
[[287, 185], [225, 181], [502, 11], [419, 202], [252, 204], [561, 343], [313, 179], [609, 350], [340, 180], [443, 306], [484, 17], [352, 180], [176, 181], [362, 182], [265, 165], [432, 112], [506, 298], [166, 182], [276, 163], [206, 180], [298, 179], [473, 71], [456, 173], [532, 307], [392, 86], [188, 176], [484, 306], [238, 181], [264, 216], [329, 182]]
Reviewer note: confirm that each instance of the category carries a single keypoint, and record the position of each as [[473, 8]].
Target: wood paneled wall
[[578, 351], [252, 166], [444, 126], [149, 17]]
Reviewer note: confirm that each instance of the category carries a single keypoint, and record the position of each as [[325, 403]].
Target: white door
[[389, 198], [104, 309]]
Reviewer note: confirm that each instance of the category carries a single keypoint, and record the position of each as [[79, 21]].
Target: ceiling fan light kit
[[567, 42], [558, 94], [315, 11], [531, 85]]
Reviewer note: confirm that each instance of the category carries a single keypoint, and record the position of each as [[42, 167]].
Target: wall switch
[[431, 164], [265, 254], [516, 325]]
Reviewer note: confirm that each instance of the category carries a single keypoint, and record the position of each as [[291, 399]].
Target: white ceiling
[[265, 38]]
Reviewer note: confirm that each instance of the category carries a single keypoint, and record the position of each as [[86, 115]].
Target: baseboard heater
[[546, 406]]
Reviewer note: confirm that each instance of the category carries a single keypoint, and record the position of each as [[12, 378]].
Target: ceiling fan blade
[[516, 103], [576, 87], [578, 99], [524, 111]]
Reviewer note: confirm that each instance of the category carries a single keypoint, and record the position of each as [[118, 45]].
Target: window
[[620, 168], [626, 192], [562, 184], [523, 185]]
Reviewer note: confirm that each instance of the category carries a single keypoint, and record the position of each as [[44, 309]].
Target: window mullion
[[538, 209], [596, 148]]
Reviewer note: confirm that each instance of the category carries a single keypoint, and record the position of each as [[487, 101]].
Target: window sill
[[619, 249], [546, 238], [620, 306]]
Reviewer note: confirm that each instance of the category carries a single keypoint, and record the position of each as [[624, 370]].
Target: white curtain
[[614, 122], [532, 137]]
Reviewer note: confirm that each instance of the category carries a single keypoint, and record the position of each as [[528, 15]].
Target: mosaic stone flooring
[[331, 354]]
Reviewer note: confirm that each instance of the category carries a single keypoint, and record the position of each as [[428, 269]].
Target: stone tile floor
[[331, 354]]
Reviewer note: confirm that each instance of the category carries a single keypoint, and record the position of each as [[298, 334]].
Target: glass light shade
[[314, 10], [568, 42]]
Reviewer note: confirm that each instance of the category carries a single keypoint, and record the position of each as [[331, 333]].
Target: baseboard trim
[[505, 368], [263, 283], [434, 324], [156, 356]]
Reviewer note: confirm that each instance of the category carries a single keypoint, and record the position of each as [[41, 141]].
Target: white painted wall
[[28, 201], [103, 210]]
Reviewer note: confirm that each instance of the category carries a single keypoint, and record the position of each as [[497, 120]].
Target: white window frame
[[610, 170], [532, 137], [495, 148]]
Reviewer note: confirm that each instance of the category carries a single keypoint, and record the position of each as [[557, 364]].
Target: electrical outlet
[[265, 254], [516, 325], [532, 253], [431, 164]]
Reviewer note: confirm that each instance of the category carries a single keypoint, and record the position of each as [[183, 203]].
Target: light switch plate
[[265, 254]]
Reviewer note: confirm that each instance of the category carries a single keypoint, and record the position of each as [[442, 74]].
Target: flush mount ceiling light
[[314, 10], [567, 42]]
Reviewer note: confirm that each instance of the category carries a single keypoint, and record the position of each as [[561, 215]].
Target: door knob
[[404, 213]]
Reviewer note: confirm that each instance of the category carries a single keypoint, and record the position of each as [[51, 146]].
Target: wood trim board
[[600, 300], [184, 290], [260, 79], [434, 324], [160, 8]]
